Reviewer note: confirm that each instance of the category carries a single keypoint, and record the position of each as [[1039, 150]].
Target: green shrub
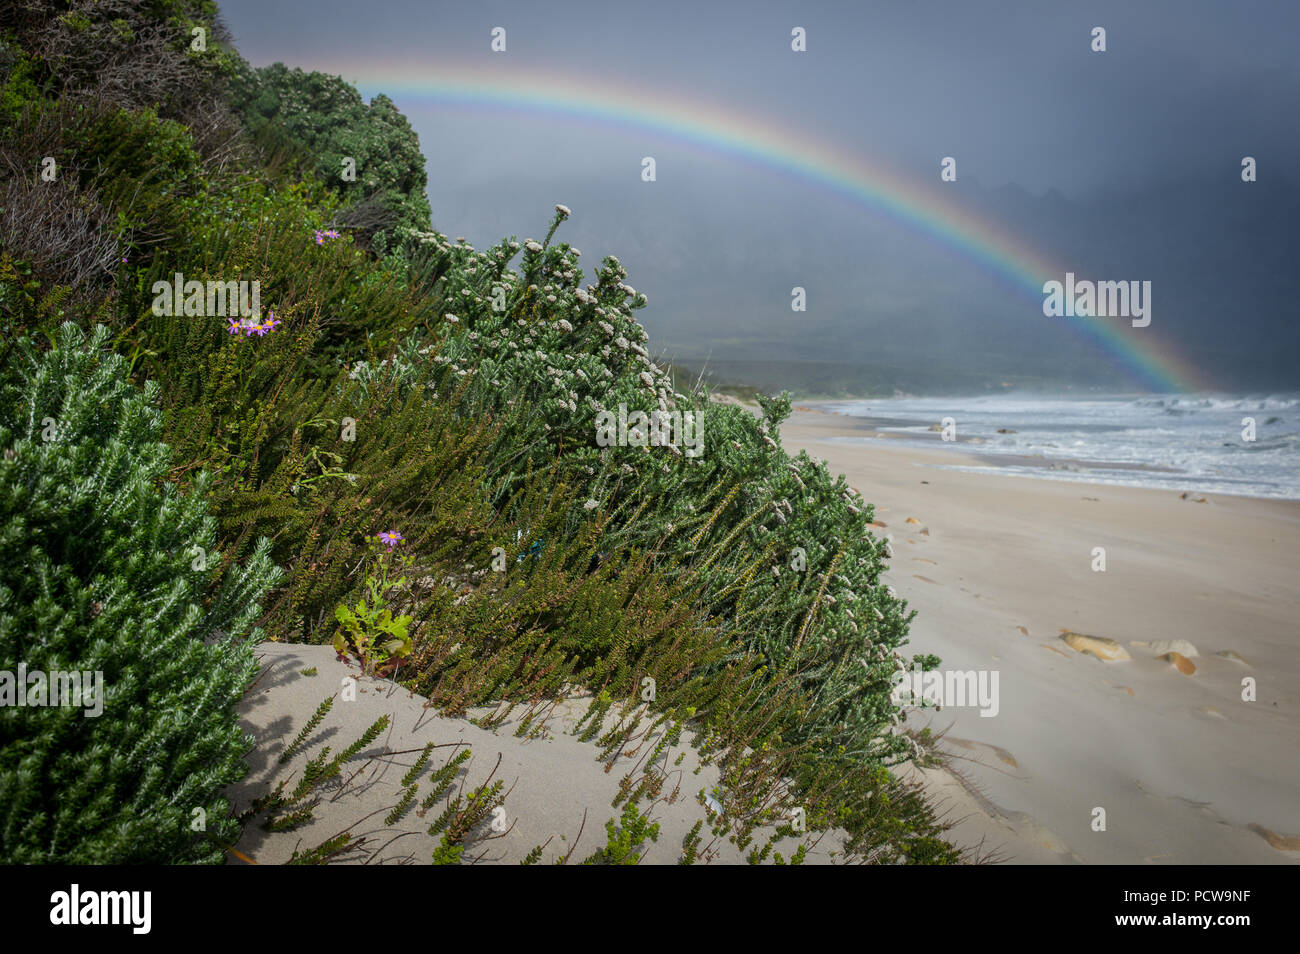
[[625, 838], [369, 630], [17, 82], [99, 571], [778, 551], [325, 120]]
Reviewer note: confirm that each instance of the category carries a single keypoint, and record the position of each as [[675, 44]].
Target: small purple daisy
[[391, 537]]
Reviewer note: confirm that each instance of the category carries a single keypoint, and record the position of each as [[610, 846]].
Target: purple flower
[[391, 537], [250, 328]]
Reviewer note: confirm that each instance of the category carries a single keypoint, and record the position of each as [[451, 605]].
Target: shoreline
[[1184, 769], [845, 428]]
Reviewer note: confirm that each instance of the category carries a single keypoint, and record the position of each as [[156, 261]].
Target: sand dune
[[558, 795]]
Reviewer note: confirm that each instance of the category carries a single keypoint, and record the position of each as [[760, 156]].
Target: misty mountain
[[718, 267]]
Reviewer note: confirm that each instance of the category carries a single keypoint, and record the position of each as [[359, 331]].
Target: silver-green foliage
[[105, 567], [785, 551]]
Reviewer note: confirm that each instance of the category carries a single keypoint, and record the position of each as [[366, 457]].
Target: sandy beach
[[1000, 567]]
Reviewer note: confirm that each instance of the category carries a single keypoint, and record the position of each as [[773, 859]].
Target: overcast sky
[[1011, 89]]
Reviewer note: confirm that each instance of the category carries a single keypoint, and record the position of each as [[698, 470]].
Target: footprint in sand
[[1229, 654], [1002, 754], [1023, 631]]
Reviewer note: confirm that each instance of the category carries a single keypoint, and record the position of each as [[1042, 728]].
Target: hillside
[[252, 395]]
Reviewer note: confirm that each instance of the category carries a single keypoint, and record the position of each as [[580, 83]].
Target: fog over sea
[[1181, 443]]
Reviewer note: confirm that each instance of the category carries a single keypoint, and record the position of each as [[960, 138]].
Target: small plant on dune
[[626, 838], [282, 811], [369, 630], [464, 813]]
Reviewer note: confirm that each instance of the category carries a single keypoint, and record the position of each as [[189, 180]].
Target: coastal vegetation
[[398, 457]]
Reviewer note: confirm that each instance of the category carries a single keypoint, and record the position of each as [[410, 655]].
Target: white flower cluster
[[575, 350]]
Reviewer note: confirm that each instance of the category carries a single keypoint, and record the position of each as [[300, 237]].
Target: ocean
[[1181, 443]]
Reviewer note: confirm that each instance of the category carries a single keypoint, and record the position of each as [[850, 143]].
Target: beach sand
[[999, 566]]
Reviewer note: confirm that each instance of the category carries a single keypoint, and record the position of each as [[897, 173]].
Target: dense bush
[[134, 55], [781, 552], [97, 573], [325, 121]]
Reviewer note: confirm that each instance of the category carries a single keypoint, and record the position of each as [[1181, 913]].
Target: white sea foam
[[1195, 438]]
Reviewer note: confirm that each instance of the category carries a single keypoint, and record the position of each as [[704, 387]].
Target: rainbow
[[1151, 362]]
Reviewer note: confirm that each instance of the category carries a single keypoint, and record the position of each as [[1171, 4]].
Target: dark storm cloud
[[1126, 161]]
